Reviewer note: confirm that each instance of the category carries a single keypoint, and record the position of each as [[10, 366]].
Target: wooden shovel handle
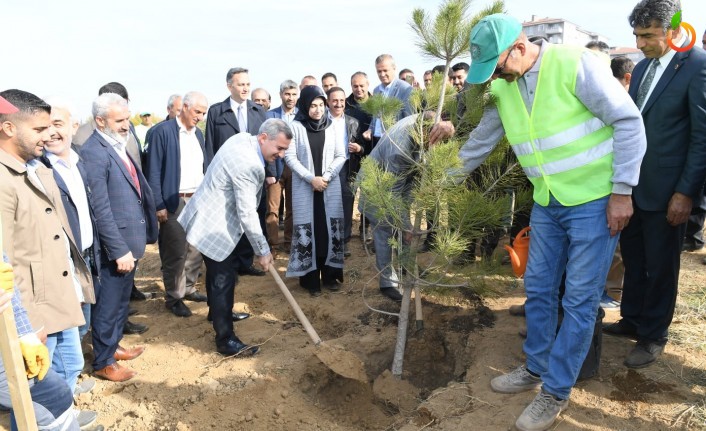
[[297, 310]]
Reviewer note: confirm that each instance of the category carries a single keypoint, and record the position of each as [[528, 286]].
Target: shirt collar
[[56, 160], [259, 151], [234, 105], [183, 129], [667, 58]]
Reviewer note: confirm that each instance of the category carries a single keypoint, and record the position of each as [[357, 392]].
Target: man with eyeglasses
[[580, 140]]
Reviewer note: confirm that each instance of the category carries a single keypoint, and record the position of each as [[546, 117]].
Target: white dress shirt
[[339, 126], [77, 189], [119, 147], [234, 106], [191, 160]]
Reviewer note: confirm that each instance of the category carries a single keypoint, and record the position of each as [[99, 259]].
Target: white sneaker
[[541, 413], [518, 380]]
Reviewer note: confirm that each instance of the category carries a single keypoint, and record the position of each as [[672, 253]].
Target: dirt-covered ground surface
[[184, 385]]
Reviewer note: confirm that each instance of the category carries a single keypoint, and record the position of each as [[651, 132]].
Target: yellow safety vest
[[562, 147]]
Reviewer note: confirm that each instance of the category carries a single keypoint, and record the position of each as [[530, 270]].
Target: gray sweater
[[602, 94]]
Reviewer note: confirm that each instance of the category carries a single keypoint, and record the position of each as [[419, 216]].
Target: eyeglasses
[[499, 70]]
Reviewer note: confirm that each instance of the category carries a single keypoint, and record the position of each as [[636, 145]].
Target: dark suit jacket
[[72, 212], [126, 220], [221, 124], [163, 164], [675, 124], [355, 134], [278, 165], [354, 110]]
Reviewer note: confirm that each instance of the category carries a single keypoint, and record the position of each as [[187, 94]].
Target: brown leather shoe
[[115, 373], [123, 354]]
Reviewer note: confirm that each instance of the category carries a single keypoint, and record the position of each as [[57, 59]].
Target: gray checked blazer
[[224, 207]]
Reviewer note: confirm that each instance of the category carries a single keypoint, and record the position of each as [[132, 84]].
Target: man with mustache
[[125, 221]]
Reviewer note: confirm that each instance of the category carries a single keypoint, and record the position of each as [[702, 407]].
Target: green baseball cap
[[489, 38]]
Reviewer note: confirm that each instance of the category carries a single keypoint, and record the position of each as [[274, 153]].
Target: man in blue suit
[[669, 87], [234, 115], [289, 93], [174, 170], [390, 86], [126, 222]]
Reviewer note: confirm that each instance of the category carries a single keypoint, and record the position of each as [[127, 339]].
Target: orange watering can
[[519, 252]]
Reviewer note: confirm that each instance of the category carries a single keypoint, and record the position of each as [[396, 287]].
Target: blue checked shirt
[[21, 318]]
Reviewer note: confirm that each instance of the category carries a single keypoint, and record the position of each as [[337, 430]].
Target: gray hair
[[252, 94], [363, 74], [193, 97], [57, 102], [648, 11], [382, 57], [172, 99], [234, 71], [287, 85], [103, 103], [274, 126]]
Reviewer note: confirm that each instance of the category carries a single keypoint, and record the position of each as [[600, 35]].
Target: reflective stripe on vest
[[563, 148]]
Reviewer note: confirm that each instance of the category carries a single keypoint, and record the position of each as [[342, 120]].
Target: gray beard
[[115, 135]]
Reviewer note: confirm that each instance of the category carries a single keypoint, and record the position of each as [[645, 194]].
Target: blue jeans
[[382, 233], [576, 239], [66, 355], [51, 398]]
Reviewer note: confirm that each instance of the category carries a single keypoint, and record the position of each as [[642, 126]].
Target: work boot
[[541, 413], [518, 380]]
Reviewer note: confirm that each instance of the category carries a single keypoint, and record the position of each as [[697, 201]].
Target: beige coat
[[33, 223]]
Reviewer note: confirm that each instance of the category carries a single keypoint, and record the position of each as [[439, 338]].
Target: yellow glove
[[7, 278], [36, 356]]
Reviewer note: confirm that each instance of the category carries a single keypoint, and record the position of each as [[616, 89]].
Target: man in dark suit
[[669, 87], [289, 93], [234, 115], [390, 86], [175, 169], [347, 130], [125, 218]]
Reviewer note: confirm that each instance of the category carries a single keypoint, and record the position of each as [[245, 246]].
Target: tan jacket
[[33, 223]]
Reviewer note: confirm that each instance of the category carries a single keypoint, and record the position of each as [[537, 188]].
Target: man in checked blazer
[[125, 220], [224, 208]]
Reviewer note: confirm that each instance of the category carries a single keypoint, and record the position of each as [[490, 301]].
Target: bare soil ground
[[184, 385]]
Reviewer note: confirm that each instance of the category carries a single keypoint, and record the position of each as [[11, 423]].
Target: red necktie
[[133, 174]]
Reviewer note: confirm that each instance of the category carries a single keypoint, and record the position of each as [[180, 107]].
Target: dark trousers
[[348, 198], [695, 230], [244, 249], [286, 181], [109, 313], [651, 249], [221, 279]]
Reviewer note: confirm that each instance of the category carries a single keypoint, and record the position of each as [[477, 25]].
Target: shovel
[[337, 359]]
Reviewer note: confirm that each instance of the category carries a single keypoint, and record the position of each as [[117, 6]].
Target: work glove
[[7, 278], [35, 355]]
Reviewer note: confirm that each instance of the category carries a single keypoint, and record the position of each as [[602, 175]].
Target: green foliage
[[376, 185], [446, 36], [386, 108]]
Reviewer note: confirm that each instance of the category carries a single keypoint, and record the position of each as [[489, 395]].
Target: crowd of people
[[614, 154]]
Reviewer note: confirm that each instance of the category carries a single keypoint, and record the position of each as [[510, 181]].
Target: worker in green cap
[[580, 140]]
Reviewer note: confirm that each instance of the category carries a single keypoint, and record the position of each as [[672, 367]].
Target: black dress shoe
[[621, 328], [136, 295], [236, 347], [180, 309], [131, 311], [196, 297], [134, 328], [392, 293], [346, 250], [251, 270], [237, 317], [644, 353], [333, 287]]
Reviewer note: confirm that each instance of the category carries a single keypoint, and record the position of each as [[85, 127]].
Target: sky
[[70, 48]]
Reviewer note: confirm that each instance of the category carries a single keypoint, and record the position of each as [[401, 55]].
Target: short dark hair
[[114, 87], [460, 65], [648, 11], [600, 45], [620, 66], [403, 71], [333, 90], [329, 75], [27, 103], [234, 71]]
